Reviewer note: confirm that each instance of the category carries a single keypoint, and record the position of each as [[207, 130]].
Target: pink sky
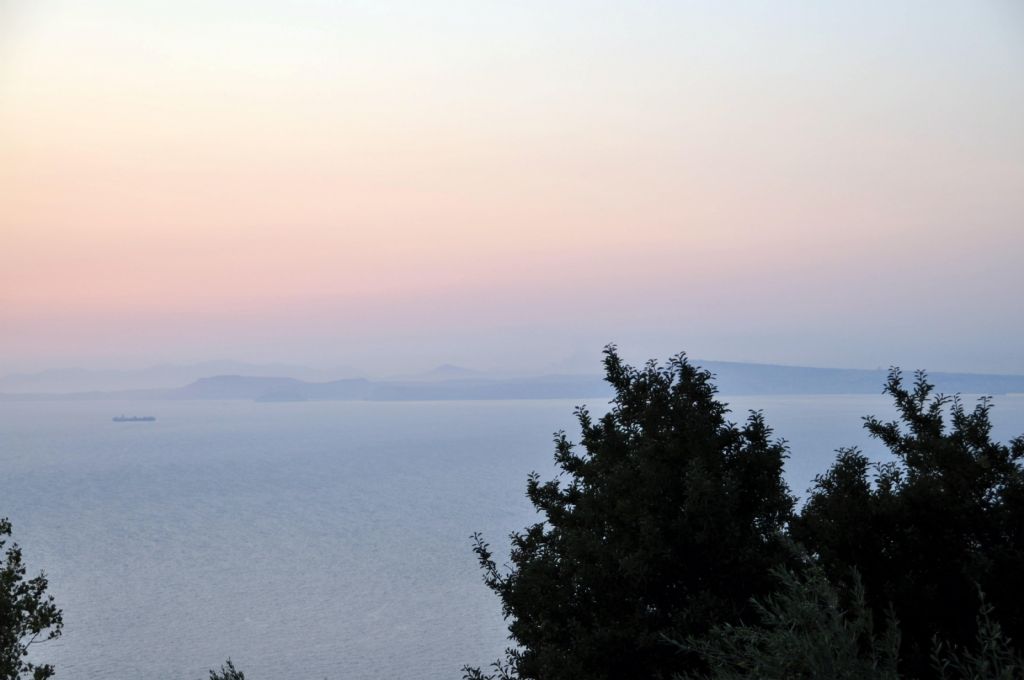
[[495, 183]]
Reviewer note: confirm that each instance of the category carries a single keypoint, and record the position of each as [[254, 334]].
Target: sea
[[308, 540]]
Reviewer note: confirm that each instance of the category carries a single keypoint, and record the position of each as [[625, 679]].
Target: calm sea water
[[306, 540]]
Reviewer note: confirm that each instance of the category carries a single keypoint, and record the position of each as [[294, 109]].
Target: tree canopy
[[805, 630], [930, 530], [28, 615], [667, 522], [227, 672]]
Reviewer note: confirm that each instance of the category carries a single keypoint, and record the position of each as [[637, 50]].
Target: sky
[[392, 185]]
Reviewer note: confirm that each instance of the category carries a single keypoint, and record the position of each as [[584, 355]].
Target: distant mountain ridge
[[747, 378], [156, 377], [732, 378]]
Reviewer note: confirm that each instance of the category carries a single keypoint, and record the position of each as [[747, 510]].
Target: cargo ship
[[134, 419]]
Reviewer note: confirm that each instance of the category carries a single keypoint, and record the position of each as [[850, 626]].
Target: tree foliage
[[810, 629], [945, 518], [992, 658], [28, 615], [666, 523], [803, 631], [227, 672]]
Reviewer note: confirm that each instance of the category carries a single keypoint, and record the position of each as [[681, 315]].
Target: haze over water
[[306, 540]]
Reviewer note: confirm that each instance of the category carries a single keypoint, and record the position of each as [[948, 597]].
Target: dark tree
[[992, 658], [810, 629], [666, 523], [806, 630], [227, 672], [27, 614], [943, 520]]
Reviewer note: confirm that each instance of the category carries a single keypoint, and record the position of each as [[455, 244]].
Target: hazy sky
[[395, 184]]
